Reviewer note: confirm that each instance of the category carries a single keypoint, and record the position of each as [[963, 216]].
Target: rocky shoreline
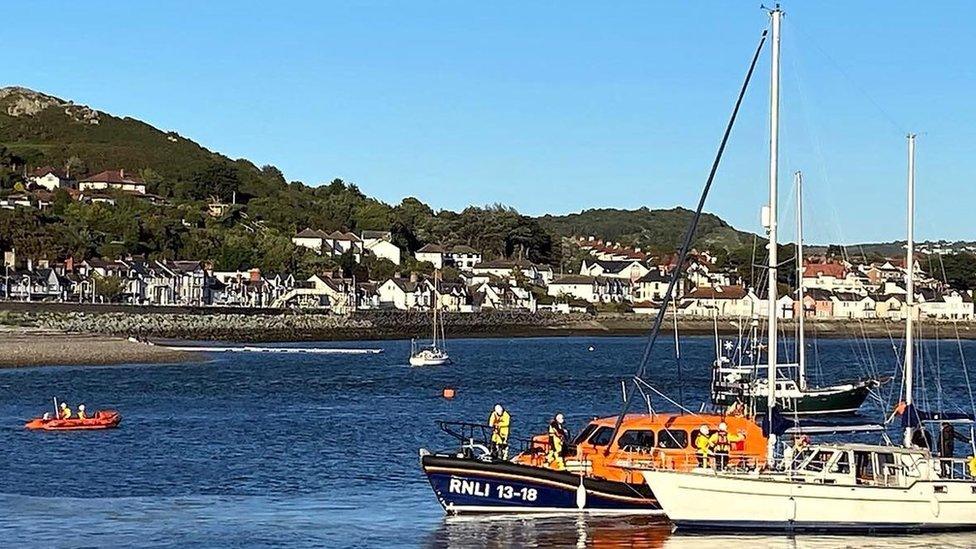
[[291, 326]]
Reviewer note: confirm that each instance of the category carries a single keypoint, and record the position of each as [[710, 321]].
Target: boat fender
[[580, 495]]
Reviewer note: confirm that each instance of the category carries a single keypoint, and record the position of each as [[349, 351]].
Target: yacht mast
[[776, 14], [801, 336], [910, 291]]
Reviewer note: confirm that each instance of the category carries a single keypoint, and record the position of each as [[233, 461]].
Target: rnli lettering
[[483, 489], [469, 487]]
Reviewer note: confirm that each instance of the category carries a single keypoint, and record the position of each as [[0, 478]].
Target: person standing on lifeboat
[[81, 412], [721, 445], [500, 422], [65, 412], [558, 435], [703, 443]]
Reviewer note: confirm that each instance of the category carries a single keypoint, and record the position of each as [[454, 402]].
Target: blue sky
[[550, 107]]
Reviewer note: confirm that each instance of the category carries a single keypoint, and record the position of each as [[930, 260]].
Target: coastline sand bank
[[26, 346]]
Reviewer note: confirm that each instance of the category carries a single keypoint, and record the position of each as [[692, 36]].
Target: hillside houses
[[723, 301], [113, 179], [459, 256], [330, 244], [508, 268], [628, 269], [50, 179], [593, 289], [380, 244]]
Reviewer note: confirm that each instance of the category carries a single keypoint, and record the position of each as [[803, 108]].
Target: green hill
[[659, 230], [40, 130]]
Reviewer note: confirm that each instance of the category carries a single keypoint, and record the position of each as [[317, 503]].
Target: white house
[[49, 178], [653, 285], [402, 294], [113, 179], [505, 268], [380, 244], [460, 256], [853, 305], [724, 301], [504, 297], [313, 239], [950, 305], [594, 289], [630, 269]]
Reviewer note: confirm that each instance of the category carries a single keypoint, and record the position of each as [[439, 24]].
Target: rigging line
[[692, 227], [888, 118]]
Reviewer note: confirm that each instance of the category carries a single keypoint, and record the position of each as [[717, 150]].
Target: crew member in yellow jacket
[[557, 441], [500, 421]]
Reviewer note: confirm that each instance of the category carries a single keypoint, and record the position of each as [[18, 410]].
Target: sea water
[[319, 450]]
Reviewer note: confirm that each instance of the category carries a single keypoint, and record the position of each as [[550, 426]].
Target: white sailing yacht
[[431, 355], [829, 487]]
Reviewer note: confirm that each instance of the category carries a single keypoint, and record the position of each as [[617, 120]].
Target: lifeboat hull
[[104, 419], [469, 486]]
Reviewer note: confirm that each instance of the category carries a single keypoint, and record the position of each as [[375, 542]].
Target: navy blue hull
[[472, 486]]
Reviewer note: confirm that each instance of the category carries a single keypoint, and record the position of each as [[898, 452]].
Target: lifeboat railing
[[476, 437]]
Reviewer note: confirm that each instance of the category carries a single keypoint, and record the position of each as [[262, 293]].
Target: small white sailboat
[[829, 487], [433, 354]]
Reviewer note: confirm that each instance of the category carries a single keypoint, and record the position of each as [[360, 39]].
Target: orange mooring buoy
[[448, 393]]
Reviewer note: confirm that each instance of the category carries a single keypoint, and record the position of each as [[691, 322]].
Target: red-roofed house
[[113, 179]]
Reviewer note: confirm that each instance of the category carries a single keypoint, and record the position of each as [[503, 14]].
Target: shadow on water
[[646, 532]]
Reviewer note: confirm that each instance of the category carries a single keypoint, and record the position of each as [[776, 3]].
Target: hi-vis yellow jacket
[[500, 425]]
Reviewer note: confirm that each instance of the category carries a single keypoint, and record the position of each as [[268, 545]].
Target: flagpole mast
[[771, 219], [910, 292]]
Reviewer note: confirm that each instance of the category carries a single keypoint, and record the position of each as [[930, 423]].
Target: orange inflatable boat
[[103, 419]]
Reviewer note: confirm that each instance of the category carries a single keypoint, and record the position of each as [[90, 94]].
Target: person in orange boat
[[721, 445], [81, 412], [703, 444], [500, 421], [558, 435], [65, 412]]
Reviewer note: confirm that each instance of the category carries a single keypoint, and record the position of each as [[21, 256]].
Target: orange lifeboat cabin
[[103, 419], [648, 440]]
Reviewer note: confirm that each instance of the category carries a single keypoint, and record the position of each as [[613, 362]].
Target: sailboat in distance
[[433, 354]]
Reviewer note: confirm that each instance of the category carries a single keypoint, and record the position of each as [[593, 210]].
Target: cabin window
[[602, 436], [886, 467], [637, 439], [842, 465], [863, 466], [819, 461], [672, 439], [584, 434]]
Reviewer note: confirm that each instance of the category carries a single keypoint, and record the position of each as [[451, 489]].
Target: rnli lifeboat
[[601, 467], [103, 419]]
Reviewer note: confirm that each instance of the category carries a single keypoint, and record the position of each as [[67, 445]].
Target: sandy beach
[[22, 346]]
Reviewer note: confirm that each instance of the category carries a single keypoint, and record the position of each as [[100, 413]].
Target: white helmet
[[559, 418], [703, 429], [64, 404], [723, 427], [499, 409], [81, 406]]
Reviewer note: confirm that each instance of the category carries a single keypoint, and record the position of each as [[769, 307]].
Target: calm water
[[322, 450]]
